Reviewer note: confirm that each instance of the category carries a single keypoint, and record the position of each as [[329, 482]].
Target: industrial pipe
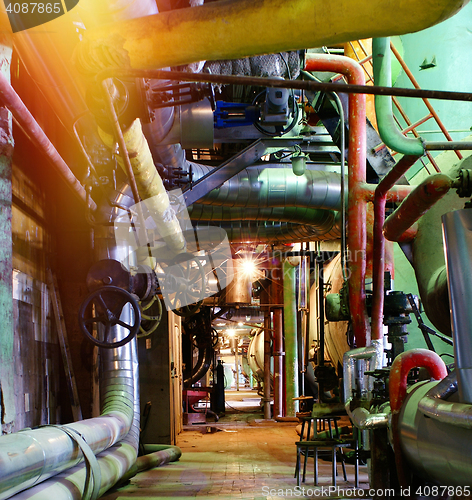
[[291, 338], [29, 457], [373, 355], [388, 131], [357, 233], [35, 133], [457, 231], [149, 184], [322, 219], [378, 256], [403, 363], [259, 186], [415, 205], [434, 404], [282, 232], [231, 29], [276, 291]]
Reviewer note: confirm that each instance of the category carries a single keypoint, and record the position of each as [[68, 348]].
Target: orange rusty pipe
[[357, 205], [416, 204], [379, 242]]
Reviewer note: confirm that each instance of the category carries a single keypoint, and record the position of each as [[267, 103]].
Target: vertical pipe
[[278, 343], [236, 360], [380, 198], [7, 367], [457, 230], [291, 343], [266, 399], [357, 206]]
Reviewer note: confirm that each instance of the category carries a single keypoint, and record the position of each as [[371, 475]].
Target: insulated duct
[[30, 456], [269, 185]]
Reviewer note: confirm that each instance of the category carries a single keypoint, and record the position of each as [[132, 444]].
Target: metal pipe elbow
[[434, 404]]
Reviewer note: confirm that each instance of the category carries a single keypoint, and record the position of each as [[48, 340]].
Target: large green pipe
[[388, 130], [291, 344]]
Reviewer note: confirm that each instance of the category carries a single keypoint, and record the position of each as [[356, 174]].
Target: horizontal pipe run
[[415, 205], [348, 88], [35, 133], [380, 198], [449, 146]]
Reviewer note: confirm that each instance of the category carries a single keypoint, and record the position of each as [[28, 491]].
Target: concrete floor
[[241, 456]]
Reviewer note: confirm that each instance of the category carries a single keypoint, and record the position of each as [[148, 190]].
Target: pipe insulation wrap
[[32, 456], [272, 186], [230, 29], [149, 183]]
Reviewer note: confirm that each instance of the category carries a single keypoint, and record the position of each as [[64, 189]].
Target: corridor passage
[[240, 457]]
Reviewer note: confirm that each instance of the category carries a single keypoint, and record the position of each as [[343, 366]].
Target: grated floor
[[240, 457]]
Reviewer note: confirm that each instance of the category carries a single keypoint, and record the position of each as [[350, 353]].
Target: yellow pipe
[[149, 183], [230, 29]]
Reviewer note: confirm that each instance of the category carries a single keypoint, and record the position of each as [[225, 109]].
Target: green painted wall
[[450, 45]]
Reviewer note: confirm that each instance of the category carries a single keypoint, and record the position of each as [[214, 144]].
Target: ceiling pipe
[[272, 232], [230, 29], [267, 186], [323, 220], [357, 207], [35, 133]]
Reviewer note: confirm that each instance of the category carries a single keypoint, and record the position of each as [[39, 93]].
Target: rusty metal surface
[[357, 232], [416, 204], [379, 241]]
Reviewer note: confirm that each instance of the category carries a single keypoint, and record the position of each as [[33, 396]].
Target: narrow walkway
[[240, 457]]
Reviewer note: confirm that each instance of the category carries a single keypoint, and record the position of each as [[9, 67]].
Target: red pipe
[[395, 195], [35, 133], [416, 204], [357, 236], [380, 198], [404, 362]]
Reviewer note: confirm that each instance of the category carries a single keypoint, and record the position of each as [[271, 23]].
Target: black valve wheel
[[103, 308]]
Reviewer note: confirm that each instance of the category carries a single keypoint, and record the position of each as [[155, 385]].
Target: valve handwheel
[[189, 289], [151, 315], [109, 302]]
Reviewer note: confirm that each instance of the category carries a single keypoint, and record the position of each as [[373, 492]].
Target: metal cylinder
[[457, 228], [437, 451]]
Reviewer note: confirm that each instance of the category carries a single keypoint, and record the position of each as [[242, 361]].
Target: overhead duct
[[268, 186]]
